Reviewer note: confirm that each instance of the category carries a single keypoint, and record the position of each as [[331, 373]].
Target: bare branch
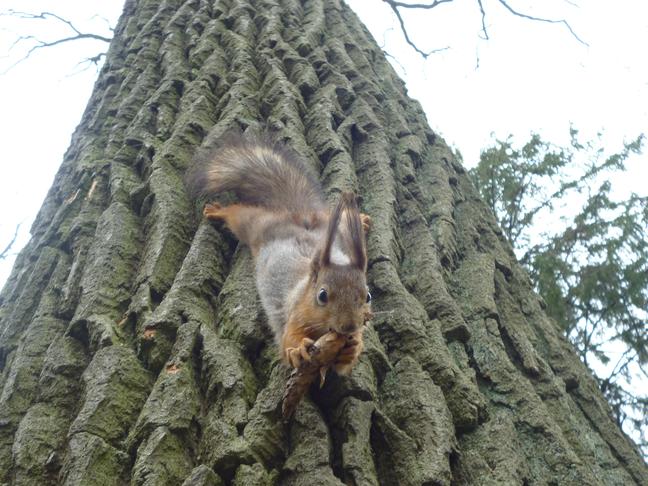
[[540, 19], [425, 6], [4, 253], [40, 16], [394, 6], [101, 17], [48, 15], [41, 44], [387, 54], [483, 20], [88, 62]]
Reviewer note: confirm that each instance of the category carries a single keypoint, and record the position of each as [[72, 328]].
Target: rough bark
[[132, 344]]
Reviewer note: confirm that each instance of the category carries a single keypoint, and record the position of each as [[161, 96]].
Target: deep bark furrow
[[133, 347]]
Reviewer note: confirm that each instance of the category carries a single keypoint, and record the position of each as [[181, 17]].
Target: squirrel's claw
[[322, 372], [306, 343], [296, 356]]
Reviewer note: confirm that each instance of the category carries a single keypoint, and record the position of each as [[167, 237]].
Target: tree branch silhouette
[[396, 7], [37, 43], [4, 253]]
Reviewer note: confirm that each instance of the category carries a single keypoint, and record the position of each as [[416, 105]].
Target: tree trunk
[[132, 344]]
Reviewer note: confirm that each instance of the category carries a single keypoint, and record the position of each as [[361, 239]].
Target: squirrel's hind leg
[[242, 220], [213, 211]]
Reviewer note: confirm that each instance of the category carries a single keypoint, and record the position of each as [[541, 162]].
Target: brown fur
[[282, 204], [347, 309]]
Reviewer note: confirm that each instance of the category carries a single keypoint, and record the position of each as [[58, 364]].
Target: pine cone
[[323, 353]]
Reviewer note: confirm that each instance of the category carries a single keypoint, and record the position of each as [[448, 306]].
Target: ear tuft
[[315, 265], [351, 233], [331, 231], [354, 233]]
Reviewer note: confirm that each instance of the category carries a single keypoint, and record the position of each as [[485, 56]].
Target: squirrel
[[311, 261]]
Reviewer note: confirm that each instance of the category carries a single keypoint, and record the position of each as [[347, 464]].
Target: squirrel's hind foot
[[213, 211], [365, 219]]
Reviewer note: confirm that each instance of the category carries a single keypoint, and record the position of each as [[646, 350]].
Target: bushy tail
[[259, 171]]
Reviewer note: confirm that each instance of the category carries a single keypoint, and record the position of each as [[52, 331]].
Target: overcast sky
[[41, 102]]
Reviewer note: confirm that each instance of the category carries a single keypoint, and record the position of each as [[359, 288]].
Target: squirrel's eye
[[322, 297], [368, 297]]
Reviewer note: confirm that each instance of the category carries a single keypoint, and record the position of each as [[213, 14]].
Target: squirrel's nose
[[348, 328]]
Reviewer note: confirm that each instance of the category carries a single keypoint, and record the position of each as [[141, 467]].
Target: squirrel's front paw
[[296, 356], [349, 354]]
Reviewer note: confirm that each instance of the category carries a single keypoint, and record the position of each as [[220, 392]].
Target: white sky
[[532, 77], [41, 102]]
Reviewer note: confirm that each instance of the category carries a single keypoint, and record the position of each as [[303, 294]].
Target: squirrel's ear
[[331, 231], [315, 265], [355, 233]]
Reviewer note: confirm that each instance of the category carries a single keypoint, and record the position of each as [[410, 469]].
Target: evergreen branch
[[592, 172], [620, 369]]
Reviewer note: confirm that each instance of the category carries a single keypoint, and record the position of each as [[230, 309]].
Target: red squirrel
[[311, 261]]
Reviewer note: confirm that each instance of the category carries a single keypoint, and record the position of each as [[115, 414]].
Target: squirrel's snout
[[348, 328]]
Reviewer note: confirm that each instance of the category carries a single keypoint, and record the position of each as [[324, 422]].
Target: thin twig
[[394, 6], [541, 19], [7, 249], [47, 15], [41, 44], [396, 61], [425, 6], [87, 63], [101, 17], [483, 20], [620, 369]]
